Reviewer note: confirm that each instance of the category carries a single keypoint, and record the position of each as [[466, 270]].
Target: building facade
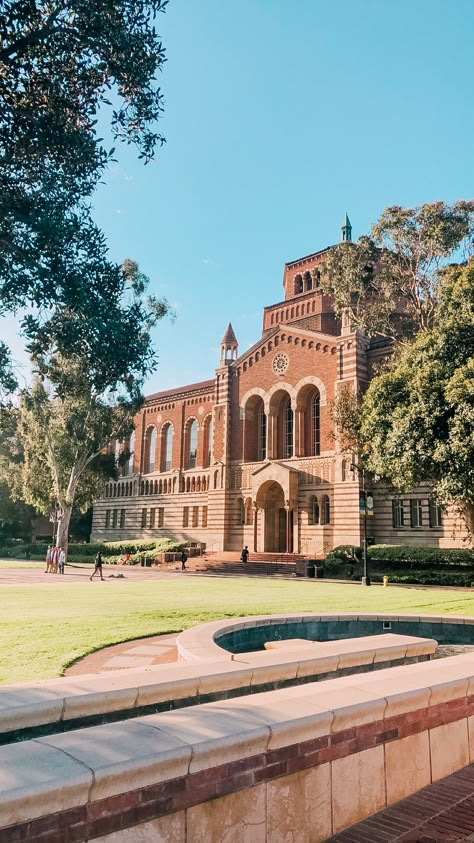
[[249, 457]]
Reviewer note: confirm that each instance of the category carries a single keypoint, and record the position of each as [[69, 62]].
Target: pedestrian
[[48, 559], [98, 566], [61, 560], [184, 559], [54, 560], [244, 556]]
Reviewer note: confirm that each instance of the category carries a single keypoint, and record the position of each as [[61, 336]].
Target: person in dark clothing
[[184, 559], [98, 566], [244, 556]]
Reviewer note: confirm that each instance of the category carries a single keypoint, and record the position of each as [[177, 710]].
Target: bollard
[[385, 582]]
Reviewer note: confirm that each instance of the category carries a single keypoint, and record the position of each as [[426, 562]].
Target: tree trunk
[[63, 528]]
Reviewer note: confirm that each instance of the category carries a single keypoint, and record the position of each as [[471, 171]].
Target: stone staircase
[[260, 564]]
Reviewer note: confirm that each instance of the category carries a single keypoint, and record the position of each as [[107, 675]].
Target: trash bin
[[310, 569], [385, 582]]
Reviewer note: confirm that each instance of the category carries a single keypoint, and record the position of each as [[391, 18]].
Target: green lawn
[[45, 627]]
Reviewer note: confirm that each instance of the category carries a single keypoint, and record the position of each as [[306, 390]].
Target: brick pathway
[[440, 813], [142, 652]]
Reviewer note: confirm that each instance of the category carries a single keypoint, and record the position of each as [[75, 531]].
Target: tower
[[229, 346], [346, 230]]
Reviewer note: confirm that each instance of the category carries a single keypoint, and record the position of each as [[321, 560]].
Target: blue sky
[[280, 116]]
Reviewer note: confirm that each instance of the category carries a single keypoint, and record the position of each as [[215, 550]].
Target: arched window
[[166, 447], [308, 281], [262, 434], [314, 513], [207, 442], [326, 510], [216, 478], [315, 425], [191, 443], [288, 430], [241, 515], [248, 511], [298, 284], [150, 448], [128, 467]]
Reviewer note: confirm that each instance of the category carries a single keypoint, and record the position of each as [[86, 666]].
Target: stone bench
[[35, 708], [309, 760]]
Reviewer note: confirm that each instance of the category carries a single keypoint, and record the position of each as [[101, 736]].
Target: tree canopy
[[67, 66], [388, 281], [417, 421], [87, 389]]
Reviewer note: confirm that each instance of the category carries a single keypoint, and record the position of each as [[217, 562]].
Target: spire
[[229, 346], [346, 230], [229, 336]]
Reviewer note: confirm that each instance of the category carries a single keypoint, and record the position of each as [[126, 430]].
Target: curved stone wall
[[222, 639]]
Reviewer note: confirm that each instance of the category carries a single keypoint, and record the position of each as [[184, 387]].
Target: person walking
[[61, 560], [184, 559], [48, 559], [244, 556], [98, 566]]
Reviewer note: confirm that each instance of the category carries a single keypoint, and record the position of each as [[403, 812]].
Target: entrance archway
[[278, 523]]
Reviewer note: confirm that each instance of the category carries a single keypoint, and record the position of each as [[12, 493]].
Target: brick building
[[249, 457]]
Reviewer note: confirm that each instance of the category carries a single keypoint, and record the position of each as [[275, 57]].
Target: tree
[[418, 417], [60, 61], [388, 282], [86, 393]]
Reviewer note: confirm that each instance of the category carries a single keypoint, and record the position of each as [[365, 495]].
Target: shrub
[[416, 557], [342, 555]]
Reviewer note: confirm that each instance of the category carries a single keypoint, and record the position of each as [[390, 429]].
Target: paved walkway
[[81, 573], [440, 813], [143, 652]]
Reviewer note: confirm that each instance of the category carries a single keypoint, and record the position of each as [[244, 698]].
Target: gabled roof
[[181, 390], [288, 328]]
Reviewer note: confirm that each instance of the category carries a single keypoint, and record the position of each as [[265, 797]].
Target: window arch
[[298, 284], [166, 447], [326, 510], [208, 431], [308, 281], [191, 443], [241, 515], [314, 510], [128, 467], [150, 448], [248, 511], [315, 424]]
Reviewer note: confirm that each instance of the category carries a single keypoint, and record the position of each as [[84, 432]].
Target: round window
[[280, 363]]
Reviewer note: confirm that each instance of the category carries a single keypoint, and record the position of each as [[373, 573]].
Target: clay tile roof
[[229, 336]]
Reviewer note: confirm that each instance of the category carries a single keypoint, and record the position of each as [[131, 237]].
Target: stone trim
[[126, 810]]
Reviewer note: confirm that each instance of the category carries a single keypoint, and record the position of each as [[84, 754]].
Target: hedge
[[414, 557]]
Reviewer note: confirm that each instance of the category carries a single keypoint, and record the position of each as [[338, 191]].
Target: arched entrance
[[278, 522]]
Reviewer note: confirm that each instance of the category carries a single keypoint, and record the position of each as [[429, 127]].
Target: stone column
[[298, 433], [272, 436]]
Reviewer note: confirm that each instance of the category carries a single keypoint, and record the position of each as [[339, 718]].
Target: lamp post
[[363, 508]]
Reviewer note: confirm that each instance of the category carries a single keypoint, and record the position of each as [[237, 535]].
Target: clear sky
[[280, 116]]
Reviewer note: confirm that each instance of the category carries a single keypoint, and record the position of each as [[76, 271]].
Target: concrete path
[[143, 652], [32, 576]]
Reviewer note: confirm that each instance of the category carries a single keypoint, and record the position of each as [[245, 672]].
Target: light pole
[[363, 509]]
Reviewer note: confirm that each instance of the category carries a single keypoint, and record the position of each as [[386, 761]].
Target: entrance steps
[[260, 564]]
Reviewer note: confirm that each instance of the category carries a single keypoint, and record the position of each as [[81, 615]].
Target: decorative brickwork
[[131, 808], [260, 408]]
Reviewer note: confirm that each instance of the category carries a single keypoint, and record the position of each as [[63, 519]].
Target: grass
[[44, 628]]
